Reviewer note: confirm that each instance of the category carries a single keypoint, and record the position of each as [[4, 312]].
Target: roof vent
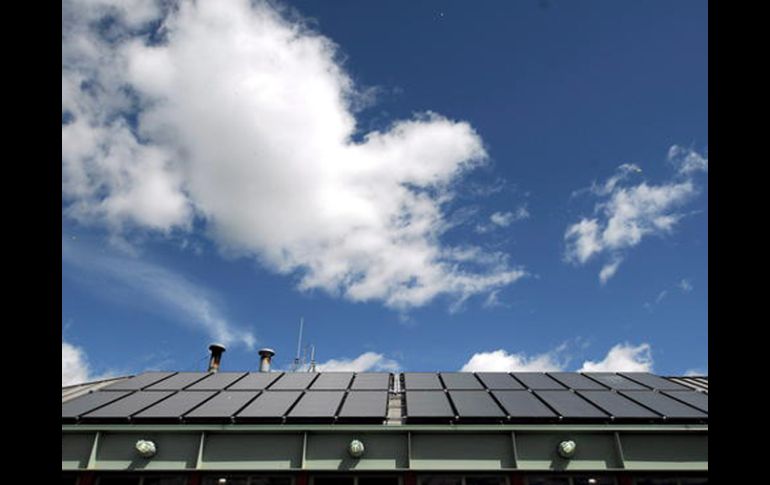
[[265, 355], [216, 356]]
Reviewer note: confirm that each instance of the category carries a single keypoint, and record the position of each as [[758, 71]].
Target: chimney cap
[[217, 346], [266, 352]]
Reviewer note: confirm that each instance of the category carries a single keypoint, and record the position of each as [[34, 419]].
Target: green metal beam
[[348, 428]]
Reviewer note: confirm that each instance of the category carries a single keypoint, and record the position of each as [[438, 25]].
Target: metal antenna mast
[[312, 358], [299, 344]]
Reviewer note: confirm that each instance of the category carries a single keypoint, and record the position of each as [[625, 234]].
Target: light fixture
[[146, 448], [567, 449], [356, 449]]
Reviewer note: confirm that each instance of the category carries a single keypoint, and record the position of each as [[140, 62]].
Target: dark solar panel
[[421, 381], [217, 381], [332, 381], [255, 381], [88, 402], [475, 404], [365, 404], [499, 380], [573, 380], [178, 381], [615, 381], [371, 380], [270, 405], [617, 405], [523, 404], [460, 380], [664, 405], [176, 405], [570, 405], [428, 404], [654, 381], [537, 381], [294, 381], [694, 398], [129, 405], [317, 404], [137, 382], [222, 406]]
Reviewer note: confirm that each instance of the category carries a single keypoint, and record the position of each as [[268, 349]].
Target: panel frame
[[314, 399], [466, 415], [552, 399], [244, 399], [427, 417], [345, 415]]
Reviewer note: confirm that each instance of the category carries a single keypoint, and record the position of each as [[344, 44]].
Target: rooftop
[[388, 398]]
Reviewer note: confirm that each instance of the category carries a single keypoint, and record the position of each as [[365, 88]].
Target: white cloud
[[696, 372], [687, 161], [623, 358], [74, 366], [502, 361], [685, 285], [167, 291], [626, 215], [244, 121], [609, 270], [369, 361], [503, 219]]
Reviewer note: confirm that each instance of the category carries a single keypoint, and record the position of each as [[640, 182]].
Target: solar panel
[[460, 380], [523, 404], [664, 405], [475, 404], [132, 404], [137, 382], [255, 381], [570, 405], [499, 380], [270, 405], [178, 381], [332, 381], [294, 381], [617, 405], [421, 381], [371, 380], [317, 404], [537, 381], [222, 406], [88, 402], [217, 381], [176, 405], [654, 381], [694, 398], [428, 404], [573, 380], [614, 381], [365, 404]]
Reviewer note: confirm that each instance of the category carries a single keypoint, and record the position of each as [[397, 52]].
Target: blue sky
[[431, 185]]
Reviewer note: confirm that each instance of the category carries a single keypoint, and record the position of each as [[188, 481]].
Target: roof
[[388, 398], [75, 390]]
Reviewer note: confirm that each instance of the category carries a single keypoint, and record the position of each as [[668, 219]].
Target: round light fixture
[[567, 449], [356, 449], [146, 448]]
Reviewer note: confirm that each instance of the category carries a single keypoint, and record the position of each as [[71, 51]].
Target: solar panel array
[[348, 397], [531, 397], [226, 397]]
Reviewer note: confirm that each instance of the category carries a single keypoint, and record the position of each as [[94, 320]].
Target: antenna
[[312, 358], [299, 344]]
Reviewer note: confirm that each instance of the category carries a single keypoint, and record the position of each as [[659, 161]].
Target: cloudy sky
[[430, 185]]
